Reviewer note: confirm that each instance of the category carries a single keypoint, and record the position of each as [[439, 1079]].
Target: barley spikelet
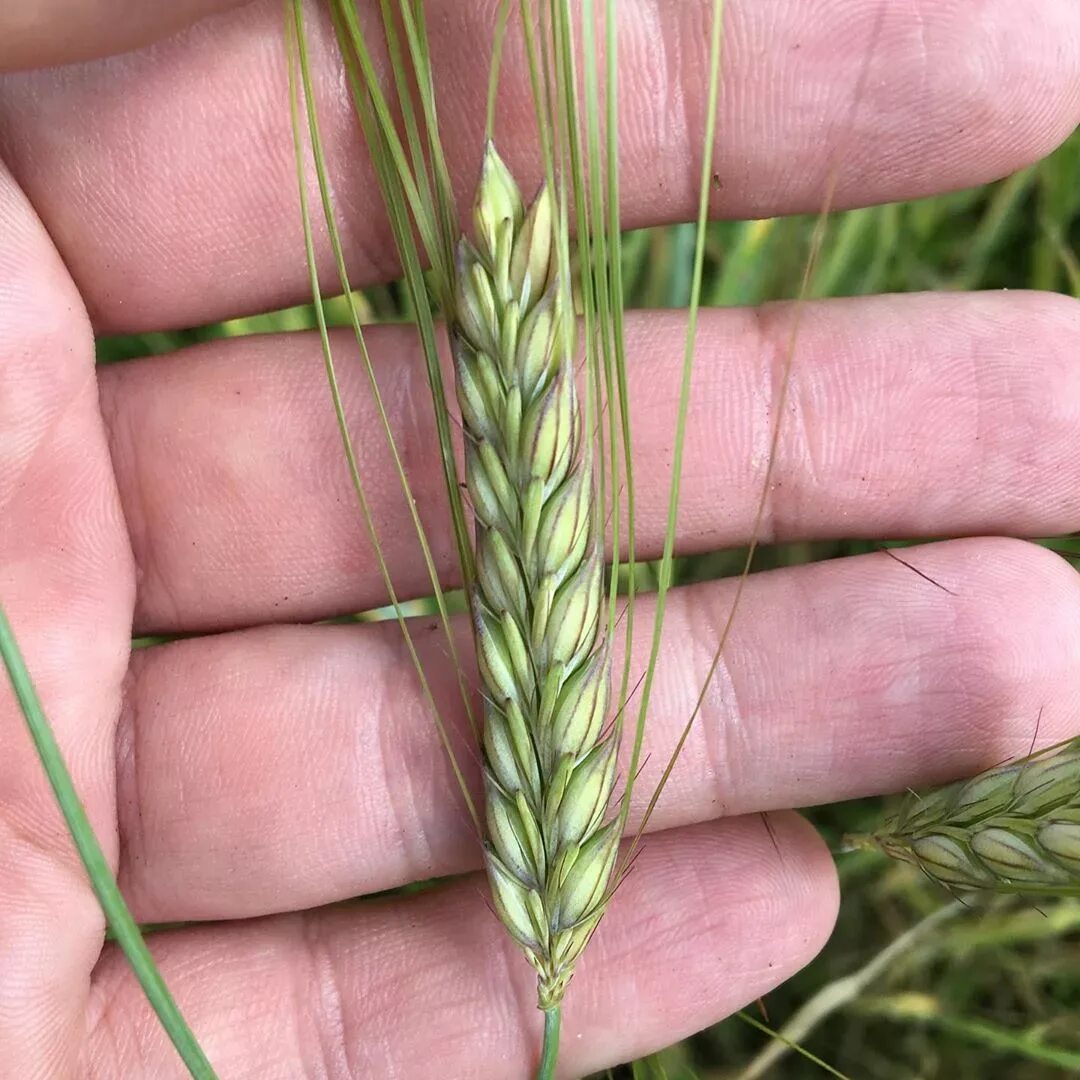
[[1014, 828], [549, 762]]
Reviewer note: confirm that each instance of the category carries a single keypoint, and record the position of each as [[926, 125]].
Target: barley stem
[[550, 1054]]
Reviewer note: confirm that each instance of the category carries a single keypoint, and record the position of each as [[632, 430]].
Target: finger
[[906, 416], [283, 768], [67, 586], [181, 206], [59, 31], [710, 918]]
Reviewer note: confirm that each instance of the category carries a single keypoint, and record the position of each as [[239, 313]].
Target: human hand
[[264, 767]]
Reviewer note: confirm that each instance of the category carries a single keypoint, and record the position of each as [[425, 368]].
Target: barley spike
[[1014, 828], [549, 758]]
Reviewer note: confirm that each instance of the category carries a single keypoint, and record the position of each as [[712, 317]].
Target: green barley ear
[[1010, 829], [537, 605]]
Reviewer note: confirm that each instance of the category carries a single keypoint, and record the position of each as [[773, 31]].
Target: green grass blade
[[123, 926], [754, 1022], [849, 254], [746, 262], [925, 1009], [887, 226], [994, 226], [680, 281]]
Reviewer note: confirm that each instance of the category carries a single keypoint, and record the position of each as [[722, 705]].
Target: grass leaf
[[123, 927]]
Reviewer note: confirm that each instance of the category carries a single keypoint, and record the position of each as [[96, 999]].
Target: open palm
[[263, 767]]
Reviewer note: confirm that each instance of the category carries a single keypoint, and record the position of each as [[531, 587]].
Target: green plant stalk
[[779, 1036], [549, 1055], [120, 920]]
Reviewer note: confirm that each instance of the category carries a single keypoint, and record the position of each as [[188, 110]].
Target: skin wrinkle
[[986, 681], [720, 724], [797, 477], [774, 346], [797, 457], [698, 889], [53, 554], [23, 403], [104, 1027], [418, 819], [366, 986], [329, 1035], [129, 800], [511, 973], [138, 521], [978, 399], [813, 626], [928, 669], [399, 776], [495, 978], [922, 34]]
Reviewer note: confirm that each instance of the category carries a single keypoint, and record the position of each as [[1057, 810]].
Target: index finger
[[167, 177], [59, 31]]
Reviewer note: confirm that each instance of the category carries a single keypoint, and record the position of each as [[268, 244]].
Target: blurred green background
[[990, 991]]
